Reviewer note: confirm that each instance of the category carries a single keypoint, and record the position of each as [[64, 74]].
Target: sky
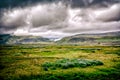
[[61, 18]]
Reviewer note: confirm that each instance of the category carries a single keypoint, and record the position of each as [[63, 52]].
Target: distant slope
[[12, 39], [110, 36], [4, 38], [104, 38]]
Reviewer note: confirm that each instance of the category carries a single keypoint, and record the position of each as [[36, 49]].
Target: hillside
[[4, 38], [110, 37], [102, 38], [12, 39]]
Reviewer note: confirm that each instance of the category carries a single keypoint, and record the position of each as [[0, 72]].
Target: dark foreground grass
[[104, 74], [65, 62]]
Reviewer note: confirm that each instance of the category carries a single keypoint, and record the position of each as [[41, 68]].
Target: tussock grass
[[70, 63]]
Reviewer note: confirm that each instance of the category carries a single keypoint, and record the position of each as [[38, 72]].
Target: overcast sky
[[58, 19]]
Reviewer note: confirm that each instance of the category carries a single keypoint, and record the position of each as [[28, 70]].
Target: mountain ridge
[[93, 37], [13, 39]]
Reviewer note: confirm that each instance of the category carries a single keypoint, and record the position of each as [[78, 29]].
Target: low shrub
[[69, 63], [17, 54], [113, 52]]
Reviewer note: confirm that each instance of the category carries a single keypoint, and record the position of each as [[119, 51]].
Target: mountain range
[[12, 39], [92, 37], [79, 38]]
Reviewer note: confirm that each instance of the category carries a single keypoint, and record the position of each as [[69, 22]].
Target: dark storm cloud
[[59, 19]]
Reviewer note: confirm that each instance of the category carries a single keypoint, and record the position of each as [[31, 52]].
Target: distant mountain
[[4, 38], [110, 37], [12, 39], [91, 37]]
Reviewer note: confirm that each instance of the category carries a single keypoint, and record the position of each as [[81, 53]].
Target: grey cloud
[[59, 20], [110, 14], [14, 17], [93, 27], [36, 16], [49, 14]]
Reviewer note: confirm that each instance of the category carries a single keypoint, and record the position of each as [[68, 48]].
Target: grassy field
[[59, 62]]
